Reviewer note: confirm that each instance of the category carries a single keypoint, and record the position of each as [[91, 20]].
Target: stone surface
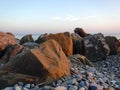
[[30, 45], [47, 61], [64, 39], [117, 45], [6, 40], [80, 32], [80, 60], [27, 38], [111, 41], [78, 44], [96, 47], [12, 52], [9, 79], [60, 88], [9, 88]]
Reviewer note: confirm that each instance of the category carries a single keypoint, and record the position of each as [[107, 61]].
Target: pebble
[[20, 83], [60, 88], [17, 87], [9, 88], [27, 86]]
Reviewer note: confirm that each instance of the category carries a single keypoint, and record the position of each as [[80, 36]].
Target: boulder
[[26, 38], [95, 47], [30, 45], [6, 40], [8, 79], [47, 61], [111, 41], [64, 39], [78, 59], [117, 45], [78, 44], [12, 52], [41, 38], [80, 32]]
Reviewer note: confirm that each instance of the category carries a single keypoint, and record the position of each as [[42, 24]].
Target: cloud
[[71, 18], [66, 18], [57, 18]]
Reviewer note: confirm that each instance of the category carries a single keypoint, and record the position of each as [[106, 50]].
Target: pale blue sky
[[41, 16]]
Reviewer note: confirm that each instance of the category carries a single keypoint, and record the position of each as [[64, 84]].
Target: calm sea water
[[35, 36]]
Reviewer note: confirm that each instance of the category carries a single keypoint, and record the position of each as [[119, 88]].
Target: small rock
[[82, 88], [20, 83], [71, 88], [78, 77], [110, 88], [48, 88], [9, 88], [32, 85], [59, 82], [27, 86], [82, 84], [24, 88], [17, 87], [36, 87], [60, 88]]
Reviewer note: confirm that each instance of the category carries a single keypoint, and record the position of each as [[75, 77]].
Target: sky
[[53, 16]]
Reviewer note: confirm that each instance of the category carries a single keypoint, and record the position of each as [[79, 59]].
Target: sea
[[35, 36]]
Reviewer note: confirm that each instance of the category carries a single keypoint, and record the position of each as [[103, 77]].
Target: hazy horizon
[[53, 16]]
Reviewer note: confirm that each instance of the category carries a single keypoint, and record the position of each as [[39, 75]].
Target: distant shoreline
[[35, 36]]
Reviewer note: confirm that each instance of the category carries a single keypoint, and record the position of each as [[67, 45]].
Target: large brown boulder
[[78, 44], [47, 61], [64, 39], [27, 38], [112, 41], [95, 47], [80, 32], [6, 40]]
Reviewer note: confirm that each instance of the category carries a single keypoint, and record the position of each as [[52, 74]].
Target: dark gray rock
[[96, 47], [26, 38]]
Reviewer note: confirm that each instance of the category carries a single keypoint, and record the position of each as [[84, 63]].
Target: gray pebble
[[9, 88]]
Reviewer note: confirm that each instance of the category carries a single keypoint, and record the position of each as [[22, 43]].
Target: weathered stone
[[60, 88], [27, 86], [80, 32], [9, 88], [117, 45], [110, 88], [46, 61], [111, 41], [17, 87], [48, 88], [78, 44], [26, 38], [64, 39], [12, 52], [41, 38], [96, 47], [10, 79], [80, 60], [6, 40], [30, 45]]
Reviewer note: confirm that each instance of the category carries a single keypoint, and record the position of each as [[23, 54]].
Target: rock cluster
[[61, 61], [64, 39], [82, 78]]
